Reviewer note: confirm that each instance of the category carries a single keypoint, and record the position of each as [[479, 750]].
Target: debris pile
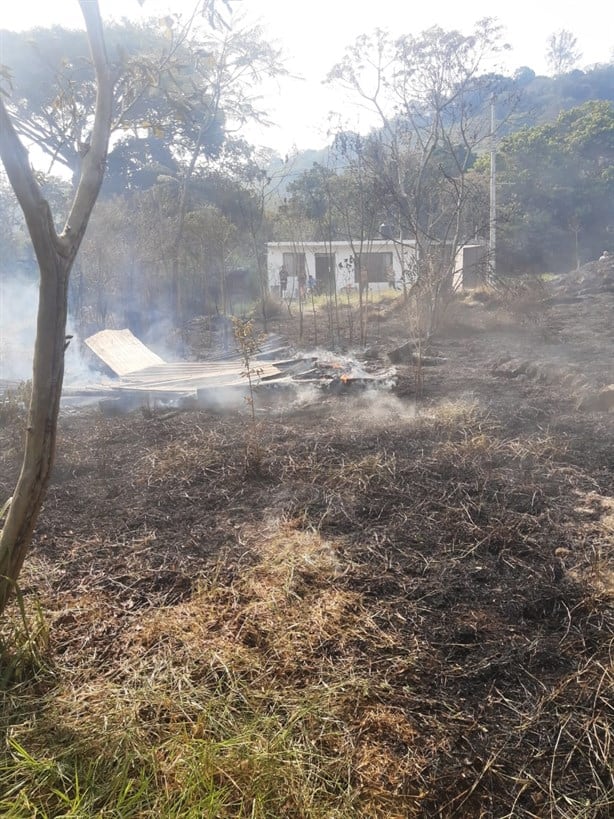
[[140, 375]]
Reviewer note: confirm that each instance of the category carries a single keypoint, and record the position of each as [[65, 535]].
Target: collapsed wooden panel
[[122, 352]]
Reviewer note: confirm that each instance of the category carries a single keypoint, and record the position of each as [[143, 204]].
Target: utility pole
[[492, 238]]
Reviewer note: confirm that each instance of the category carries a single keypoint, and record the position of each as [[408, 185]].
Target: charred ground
[[372, 605]]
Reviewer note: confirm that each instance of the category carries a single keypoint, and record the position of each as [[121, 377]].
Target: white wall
[[401, 254], [471, 266]]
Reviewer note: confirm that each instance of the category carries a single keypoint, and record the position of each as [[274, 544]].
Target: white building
[[334, 264], [380, 262]]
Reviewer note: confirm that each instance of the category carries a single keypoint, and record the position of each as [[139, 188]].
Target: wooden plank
[[122, 351]]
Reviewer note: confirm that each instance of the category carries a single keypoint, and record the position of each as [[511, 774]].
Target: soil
[[466, 535]]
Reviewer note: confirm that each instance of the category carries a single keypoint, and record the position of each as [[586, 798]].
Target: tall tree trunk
[[55, 255], [178, 300], [47, 378]]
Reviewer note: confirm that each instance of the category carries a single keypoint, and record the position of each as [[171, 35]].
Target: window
[[295, 264], [378, 267]]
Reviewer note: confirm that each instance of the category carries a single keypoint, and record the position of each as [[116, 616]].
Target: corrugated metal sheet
[[189, 376], [122, 351]]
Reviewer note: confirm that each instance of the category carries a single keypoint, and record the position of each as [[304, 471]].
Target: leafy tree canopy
[[175, 87], [557, 188]]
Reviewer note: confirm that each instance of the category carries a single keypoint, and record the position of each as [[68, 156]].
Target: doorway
[[325, 272]]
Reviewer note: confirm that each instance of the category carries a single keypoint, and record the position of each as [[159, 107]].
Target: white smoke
[[18, 305], [18, 313]]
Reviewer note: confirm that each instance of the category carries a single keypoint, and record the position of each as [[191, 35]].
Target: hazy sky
[[313, 36]]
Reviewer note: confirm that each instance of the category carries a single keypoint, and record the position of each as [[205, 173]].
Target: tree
[[253, 192], [557, 190], [55, 254], [12, 238], [562, 53], [431, 95], [182, 88], [54, 86], [225, 72], [309, 195]]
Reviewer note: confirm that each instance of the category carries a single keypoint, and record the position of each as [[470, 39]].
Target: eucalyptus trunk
[[55, 254]]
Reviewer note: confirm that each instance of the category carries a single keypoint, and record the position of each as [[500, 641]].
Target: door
[[325, 272]]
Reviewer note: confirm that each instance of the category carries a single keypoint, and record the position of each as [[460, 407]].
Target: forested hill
[[526, 99], [285, 170], [541, 99]]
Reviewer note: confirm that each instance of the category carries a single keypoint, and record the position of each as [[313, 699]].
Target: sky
[[313, 36]]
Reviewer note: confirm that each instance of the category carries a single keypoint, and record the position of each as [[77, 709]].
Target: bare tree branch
[[94, 163]]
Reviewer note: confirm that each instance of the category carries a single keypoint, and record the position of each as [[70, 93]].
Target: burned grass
[[401, 613]]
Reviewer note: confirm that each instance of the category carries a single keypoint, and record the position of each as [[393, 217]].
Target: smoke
[[18, 313], [161, 335], [378, 408], [327, 360], [306, 395], [225, 399], [18, 305]]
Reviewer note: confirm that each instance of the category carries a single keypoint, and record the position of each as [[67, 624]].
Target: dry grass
[[402, 614]]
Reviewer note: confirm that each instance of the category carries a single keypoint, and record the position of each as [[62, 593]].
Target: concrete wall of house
[[471, 266], [384, 261]]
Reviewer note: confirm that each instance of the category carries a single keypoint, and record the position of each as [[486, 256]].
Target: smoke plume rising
[[18, 313]]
